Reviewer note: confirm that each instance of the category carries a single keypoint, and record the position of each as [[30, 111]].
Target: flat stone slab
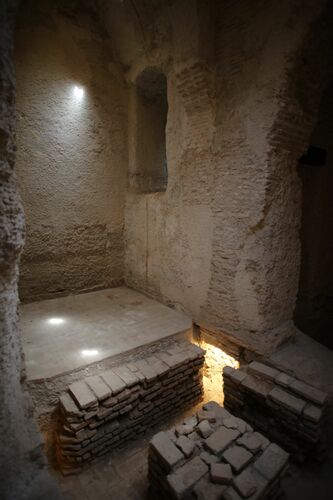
[[221, 439]]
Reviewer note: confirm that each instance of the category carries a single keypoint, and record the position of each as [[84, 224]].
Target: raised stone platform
[[286, 409], [214, 456], [103, 411], [68, 333]]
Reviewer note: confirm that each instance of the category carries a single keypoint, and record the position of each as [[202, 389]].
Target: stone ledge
[[241, 464], [287, 410], [103, 411]]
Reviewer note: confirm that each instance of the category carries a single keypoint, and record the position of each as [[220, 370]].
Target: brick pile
[[287, 410], [214, 456], [103, 411]]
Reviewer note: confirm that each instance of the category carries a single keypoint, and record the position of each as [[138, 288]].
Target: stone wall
[[222, 242], [72, 149], [22, 466]]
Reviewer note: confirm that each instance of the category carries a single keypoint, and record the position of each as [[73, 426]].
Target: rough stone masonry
[[212, 456], [289, 411], [103, 411]]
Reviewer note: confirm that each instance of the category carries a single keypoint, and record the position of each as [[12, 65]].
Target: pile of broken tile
[[103, 411], [214, 456], [284, 408]]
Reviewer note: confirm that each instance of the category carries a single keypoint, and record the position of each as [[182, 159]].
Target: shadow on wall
[[314, 308], [149, 173]]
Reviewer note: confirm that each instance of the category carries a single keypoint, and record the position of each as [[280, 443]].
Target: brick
[[206, 415], [82, 394], [115, 383], [147, 371], [238, 457], [312, 413], [208, 458], [287, 400], [221, 473], [206, 490], [69, 406], [159, 366], [245, 483], [309, 392], [236, 376], [271, 462], [231, 494], [250, 441], [183, 479], [284, 379], [261, 370], [221, 439], [166, 450], [98, 387], [260, 388], [219, 411], [205, 429], [186, 445], [236, 423], [184, 429], [126, 375]]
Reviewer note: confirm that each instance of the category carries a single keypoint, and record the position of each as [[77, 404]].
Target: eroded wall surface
[[71, 159], [222, 242], [22, 466]]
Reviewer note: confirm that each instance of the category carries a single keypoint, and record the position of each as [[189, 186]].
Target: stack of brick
[[214, 456], [287, 410], [103, 411]]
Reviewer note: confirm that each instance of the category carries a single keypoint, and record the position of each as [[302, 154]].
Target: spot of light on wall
[[55, 321], [89, 352], [78, 92]]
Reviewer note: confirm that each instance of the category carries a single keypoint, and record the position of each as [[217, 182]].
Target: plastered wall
[[71, 158]]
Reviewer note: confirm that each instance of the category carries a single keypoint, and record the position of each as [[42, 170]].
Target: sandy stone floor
[[122, 475]]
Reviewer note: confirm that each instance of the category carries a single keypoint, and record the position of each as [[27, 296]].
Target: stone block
[[236, 376], [127, 376], [284, 379], [184, 478], [205, 429], [166, 450], [221, 473], [261, 370], [245, 483], [238, 457], [236, 423], [312, 413], [221, 439], [115, 383], [260, 388], [206, 490], [208, 458], [287, 400], [220, 412], [186, 445], [82, 394], [69, 406], [271, 462], [250, 441], [206, 415], [309, 392], [98, 387]]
